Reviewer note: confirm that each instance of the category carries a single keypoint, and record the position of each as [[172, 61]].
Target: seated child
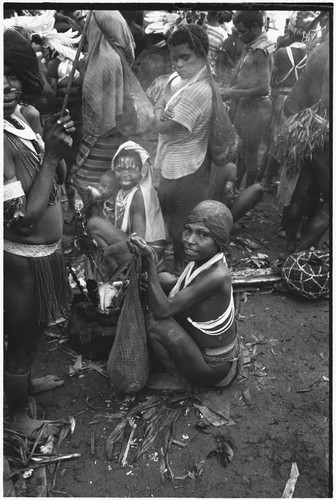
[[191, 326], [127, 203]]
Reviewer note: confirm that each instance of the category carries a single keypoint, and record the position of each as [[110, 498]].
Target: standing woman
[[36, 287], [109, 37], [182, 118]]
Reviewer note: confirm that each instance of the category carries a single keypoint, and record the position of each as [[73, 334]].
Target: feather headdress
[[42, 26], [162, 22]]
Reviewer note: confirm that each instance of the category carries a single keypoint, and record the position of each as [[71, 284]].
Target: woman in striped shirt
[[182, 118]]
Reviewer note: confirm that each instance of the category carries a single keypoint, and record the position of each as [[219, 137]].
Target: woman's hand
[[141, 246], [167, 114], [57, 135]]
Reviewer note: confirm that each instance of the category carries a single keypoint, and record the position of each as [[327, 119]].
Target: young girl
[[191, 326], [127, 204]]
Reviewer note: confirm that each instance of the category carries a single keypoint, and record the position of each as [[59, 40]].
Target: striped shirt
[[216, 35], [182, 153]]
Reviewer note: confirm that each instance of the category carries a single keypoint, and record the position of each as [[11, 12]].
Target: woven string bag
[[128, 363], [307, 273]]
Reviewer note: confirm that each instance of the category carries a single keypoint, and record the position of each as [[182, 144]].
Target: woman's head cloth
[[216, 217], [21, 58]]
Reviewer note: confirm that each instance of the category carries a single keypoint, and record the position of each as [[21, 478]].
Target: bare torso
[[49, 228], [210, 308]]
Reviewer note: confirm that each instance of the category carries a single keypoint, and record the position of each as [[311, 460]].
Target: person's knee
[[153, 326], [93, 225], [230, 172], [161, 330]]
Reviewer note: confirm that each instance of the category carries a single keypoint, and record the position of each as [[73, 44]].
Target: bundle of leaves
[[301, 135]]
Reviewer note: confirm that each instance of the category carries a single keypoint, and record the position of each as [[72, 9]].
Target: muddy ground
[[279, 412]]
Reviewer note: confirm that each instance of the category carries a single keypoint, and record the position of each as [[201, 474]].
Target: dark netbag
[[128, 363], [223, 139]]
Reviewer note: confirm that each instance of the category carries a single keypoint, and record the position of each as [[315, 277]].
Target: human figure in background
[[288, 64], [313, 174], [182, 118], [108, 35], [36, 286], [251, 87], [217, 35]]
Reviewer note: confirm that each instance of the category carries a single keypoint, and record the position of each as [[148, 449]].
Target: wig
[[21, 58]]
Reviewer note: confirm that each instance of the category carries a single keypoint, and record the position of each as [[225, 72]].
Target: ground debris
[[157, 428], [290, 485], [82, 365]]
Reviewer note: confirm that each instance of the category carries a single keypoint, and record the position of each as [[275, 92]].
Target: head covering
[[21, 58], [154, 220], [216, 217]]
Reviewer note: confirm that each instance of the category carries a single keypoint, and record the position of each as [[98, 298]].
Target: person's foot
[[166, 381], [31, 427], [43, 384]]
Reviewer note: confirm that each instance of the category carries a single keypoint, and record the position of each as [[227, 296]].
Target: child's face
[[128, 171], [106, 186]]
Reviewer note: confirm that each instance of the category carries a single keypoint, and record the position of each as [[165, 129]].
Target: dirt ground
[[279, 412]]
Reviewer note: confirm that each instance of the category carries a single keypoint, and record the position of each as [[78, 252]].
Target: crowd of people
[[83, 151]]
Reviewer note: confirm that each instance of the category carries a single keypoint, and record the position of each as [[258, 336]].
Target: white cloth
[[188, 276]]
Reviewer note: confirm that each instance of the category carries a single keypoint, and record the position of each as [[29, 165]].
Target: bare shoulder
[[217, 277], [32, 117]]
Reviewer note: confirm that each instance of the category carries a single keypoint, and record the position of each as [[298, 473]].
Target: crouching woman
[[191, 326]]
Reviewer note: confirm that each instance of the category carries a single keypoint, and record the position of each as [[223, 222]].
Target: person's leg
[[316, 229], [103, 232], [246, 200], [295, 210], [179, 353], [177, 198], [262, 112], [23, 334], [222, 181]]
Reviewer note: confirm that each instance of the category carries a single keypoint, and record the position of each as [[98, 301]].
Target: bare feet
[[44, 384], [166, 381], [20, 422]]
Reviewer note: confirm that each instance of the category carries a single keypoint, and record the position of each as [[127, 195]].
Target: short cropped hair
[[194, 36], [249, 18]]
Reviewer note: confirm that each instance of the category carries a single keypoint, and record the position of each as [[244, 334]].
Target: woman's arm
[[58, 142], [162, 307], [164, 122], [138, 214]]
